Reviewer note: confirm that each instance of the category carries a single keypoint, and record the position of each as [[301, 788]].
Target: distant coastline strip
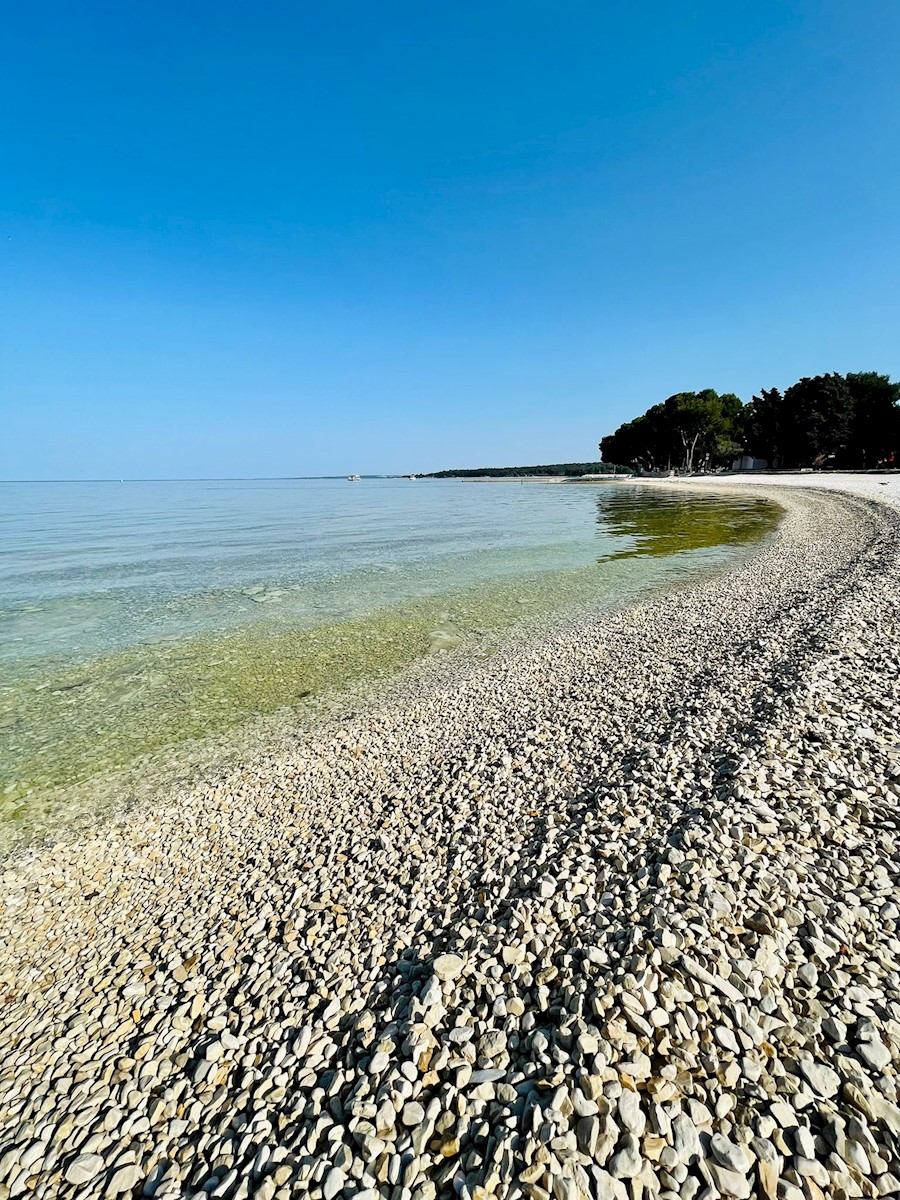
[[584, 468]]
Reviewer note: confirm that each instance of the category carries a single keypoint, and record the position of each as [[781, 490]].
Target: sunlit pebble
[[615, 911]]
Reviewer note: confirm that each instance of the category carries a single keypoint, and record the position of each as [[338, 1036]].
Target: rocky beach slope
[[612, 915]]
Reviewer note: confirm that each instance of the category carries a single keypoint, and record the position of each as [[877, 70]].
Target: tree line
[[589, 468], [842, 421]]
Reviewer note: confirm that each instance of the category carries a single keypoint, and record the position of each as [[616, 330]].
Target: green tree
[[816, 419], [851, 421], [761, 426], [688, 419], [874, 430], [704, 425], [690, 429], [623, 446], [644, 442]]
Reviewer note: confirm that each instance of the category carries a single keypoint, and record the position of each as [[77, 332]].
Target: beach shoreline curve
[[614, 911]]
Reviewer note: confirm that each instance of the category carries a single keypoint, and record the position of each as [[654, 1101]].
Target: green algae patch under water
[[664, 522], [64, 726]]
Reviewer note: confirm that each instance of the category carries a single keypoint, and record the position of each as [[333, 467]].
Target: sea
[[140, 620]]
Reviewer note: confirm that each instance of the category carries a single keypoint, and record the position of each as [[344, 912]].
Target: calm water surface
[[137, 616]]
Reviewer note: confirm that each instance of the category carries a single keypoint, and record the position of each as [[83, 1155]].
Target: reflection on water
[[74, 708], [661, 522]]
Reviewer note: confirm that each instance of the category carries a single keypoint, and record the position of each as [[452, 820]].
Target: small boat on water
[[353, 478]]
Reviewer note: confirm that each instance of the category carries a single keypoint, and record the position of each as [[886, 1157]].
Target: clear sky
[[312, 238]]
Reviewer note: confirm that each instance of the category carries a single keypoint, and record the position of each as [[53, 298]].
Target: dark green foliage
[[646, 442], [761, 427], [850, 421], [704, 425], [874, 432], [589, 468], [690, 430], [815, 421]]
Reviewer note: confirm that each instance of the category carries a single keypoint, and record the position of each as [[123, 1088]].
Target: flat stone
[[875, 1053], [687, 1138], [334, 1183], [630, 1115], [125, 1179], [820, 1078], [697, 971], [729, 1154], [448, 967], [730, 1183], [83, 1168], [626, 1163], [412, 1114], [493, 1043]]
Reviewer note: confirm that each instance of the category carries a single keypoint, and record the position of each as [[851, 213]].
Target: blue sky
[[297, 238]]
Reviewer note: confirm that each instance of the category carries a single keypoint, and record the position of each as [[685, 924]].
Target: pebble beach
[[613, 914]]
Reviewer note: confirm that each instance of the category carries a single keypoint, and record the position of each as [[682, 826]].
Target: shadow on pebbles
[[612, 915]]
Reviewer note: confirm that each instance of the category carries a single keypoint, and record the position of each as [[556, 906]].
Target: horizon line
[[207, 478]]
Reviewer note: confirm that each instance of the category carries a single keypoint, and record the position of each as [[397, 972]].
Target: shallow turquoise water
[[97, 567], [137, 616], [90, 568]]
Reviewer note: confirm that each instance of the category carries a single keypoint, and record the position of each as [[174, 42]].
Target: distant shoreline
[[529, 478]]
